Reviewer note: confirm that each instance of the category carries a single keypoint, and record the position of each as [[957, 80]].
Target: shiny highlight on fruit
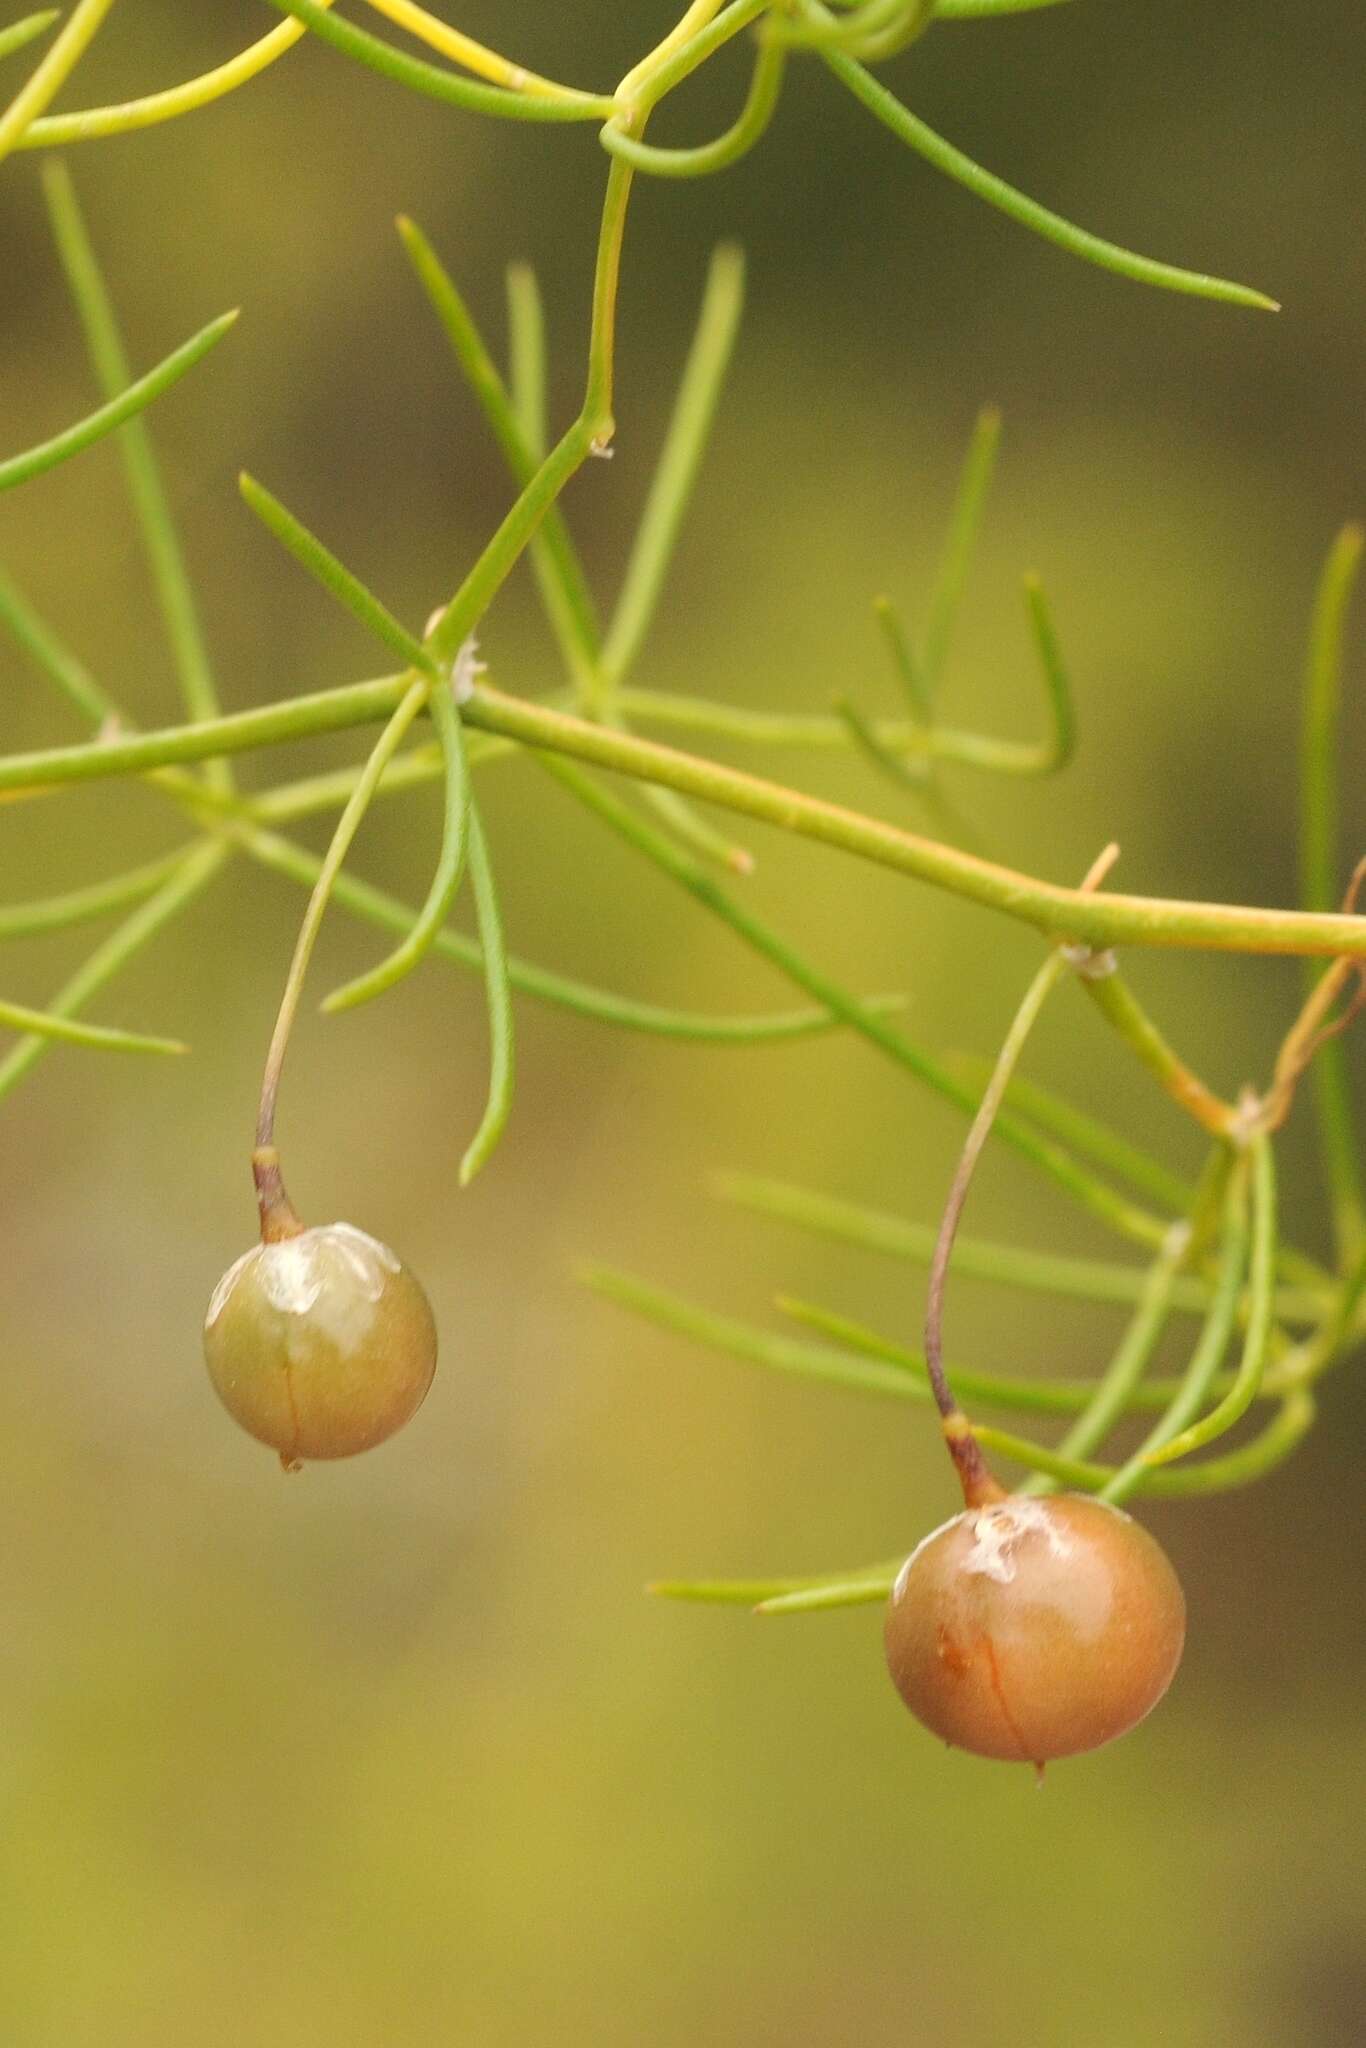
[[320, 1343]]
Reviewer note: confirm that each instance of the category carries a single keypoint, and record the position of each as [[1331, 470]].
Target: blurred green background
[[396, 1752]]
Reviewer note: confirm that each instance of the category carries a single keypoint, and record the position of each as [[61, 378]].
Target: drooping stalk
[[278, 1218], [977, 1482]]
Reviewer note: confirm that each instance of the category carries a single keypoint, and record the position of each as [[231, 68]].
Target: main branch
[[1060, 912]]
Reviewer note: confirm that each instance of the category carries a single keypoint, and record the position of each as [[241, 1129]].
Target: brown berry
[[320, 1343], [1029, 1629]]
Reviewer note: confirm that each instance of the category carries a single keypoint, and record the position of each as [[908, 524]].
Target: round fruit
[[1032, 1629], [321, 1343]]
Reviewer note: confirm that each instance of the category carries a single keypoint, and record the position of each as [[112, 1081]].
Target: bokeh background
[[397, 1752]]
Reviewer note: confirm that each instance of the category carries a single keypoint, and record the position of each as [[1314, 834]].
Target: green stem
[[1119, 1006], [1320, 882], [88, 124], [1107, 919], [726, 149], [60, 59], [590, 434], [977, 1482], [554, 559], [436, 82]]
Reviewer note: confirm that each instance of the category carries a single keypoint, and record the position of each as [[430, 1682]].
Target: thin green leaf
[[1260, 1318], [502, 1062], [98, 1037], [786, 1596], [818, 730], [175, 594], [599, 1005], [332, 574], [1081, 1133], [19, 33], [974, 483], [555, 563], [656, 539], [983, 10], [1044, 1397], [915, 776], [78, 906], [675, 476], [1302, 1301], [1057, 750], [1320, 883], [19, 468], [912, 774], [436, 83], [1251, 1461], [1037, 1272], [526, 356], [861, 1592], [905, 661], [752, 1346], [55, 659], [986, 186], [1038, 1396], [1051, 1159], [1115, 1388], [445, 882], [123, 943], [339, 581], [1199, 1378]]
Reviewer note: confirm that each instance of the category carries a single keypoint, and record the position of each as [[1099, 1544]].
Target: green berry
[[1032, 1629], [321, 1343]]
